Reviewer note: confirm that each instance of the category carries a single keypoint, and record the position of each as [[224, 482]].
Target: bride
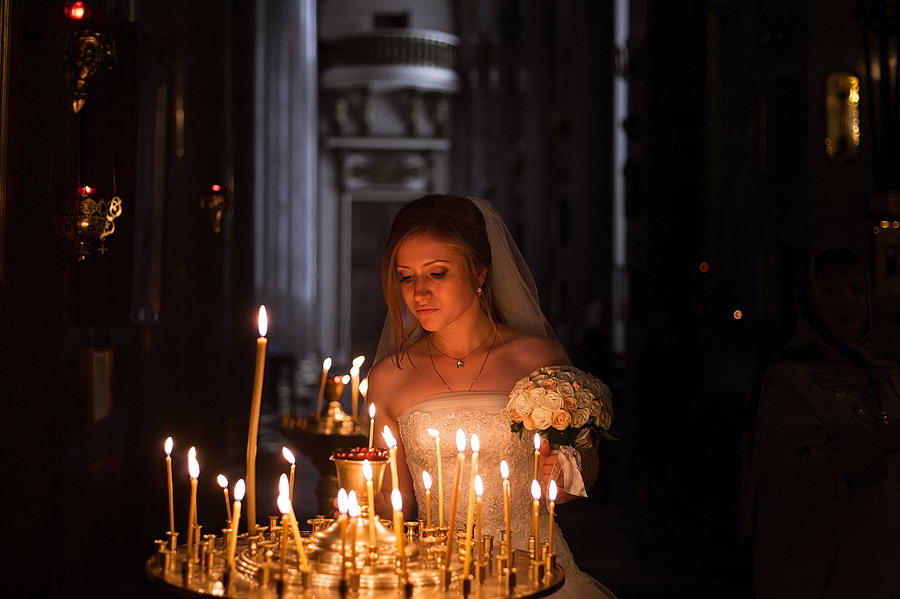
[[463, 326]]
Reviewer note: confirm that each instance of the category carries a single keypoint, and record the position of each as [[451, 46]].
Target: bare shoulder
[[520, 353]]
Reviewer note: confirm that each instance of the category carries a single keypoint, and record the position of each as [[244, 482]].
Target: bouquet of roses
[[567, 406]]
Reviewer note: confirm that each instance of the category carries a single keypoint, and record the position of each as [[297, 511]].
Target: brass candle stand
[[342, 560]]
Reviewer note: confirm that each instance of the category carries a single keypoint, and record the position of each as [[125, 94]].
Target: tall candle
[[239, 488], [535, 526], [194, 471], [551, 494], [354, 385], [168, 448], [326, 366], [343, 508], [289, 456], [537, 456], [460, 456], [440, 473], [397, 504], [285, 502], [370, 492], [470, 512], [254, 419], [504, 472], [426, 479], [371, 424], [223, 482], [391, 443], [479, 492], [353, 511]]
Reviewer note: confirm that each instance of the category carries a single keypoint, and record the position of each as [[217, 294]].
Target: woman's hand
[[550, 470]]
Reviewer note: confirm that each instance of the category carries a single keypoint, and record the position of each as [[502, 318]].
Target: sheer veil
[[514, 286]]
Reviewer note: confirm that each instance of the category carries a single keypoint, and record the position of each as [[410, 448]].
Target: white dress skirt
[[480, 412]]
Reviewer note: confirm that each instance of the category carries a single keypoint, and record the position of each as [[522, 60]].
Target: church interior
[[666, 168]]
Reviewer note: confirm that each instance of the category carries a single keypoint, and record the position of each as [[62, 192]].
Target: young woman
[[463, 326]]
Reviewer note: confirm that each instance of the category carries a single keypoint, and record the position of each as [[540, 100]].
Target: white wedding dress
[[479, 412]]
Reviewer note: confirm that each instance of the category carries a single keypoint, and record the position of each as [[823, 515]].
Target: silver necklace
[[480, 370], [459, 361]]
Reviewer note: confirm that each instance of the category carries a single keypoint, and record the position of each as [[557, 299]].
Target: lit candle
[[364, 388], [326, 366], [353, 511], [223, 482], [470, 512], [254, 419], [391, 443], [537, 456], [460, 456], [551, 494], [371, 424], [239, 488], [168, 448], [397, 504], [535, 526], [370, 493], [354, 386], [479, 492], [343, 508], [285, 507], [504, 472], [194, 471], [289, 456], [426, 478], [440, 473]]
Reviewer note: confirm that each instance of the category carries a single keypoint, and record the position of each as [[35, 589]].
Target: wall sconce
[[842, 117], [879, 22], [216, 203], [85, 49], [89, 220]]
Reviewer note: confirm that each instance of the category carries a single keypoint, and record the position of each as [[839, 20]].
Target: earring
[[478, 291]]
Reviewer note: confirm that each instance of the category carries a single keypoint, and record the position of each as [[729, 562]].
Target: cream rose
[[541, 417], [580, 417], [552, 401], [560, 420]]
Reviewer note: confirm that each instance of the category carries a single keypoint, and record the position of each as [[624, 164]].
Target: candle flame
[[364, 387], [358, 362], [168, 446], [537, 442], [284, 487], [284, 504], [263, 321], [342, 501], [551, 491], [396, 499], [535, 490], [389, 437], [288, 455], [354, 371], [460, 440], [426, 478], [504, 469], [479, 486], [223, 482], [371, 405], [345, 379], [354, 504], [193, 464], [326, 365], [434, 433], [476, 444], [239, 488], [367, 470]]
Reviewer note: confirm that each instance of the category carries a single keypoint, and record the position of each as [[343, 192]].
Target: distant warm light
[[895, 224], [704, 267], [885, 224], [76, 10], [217, 188], [738, 315]]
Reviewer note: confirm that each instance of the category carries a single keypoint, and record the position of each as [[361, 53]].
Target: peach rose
[[560, 420]]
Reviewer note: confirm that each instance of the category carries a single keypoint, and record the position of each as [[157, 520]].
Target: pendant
[[459, 364]]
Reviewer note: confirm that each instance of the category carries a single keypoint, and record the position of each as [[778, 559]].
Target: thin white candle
[[535, 526], [194, 472], [391, 443], [354, 385], [537, 456], [239, 489], [326, 366], [504, 472], [371, 424], [551, 494], [397, 504], [370, 493], [285, 507], [440, 474], [353, 512], [223, 482], [470, 512], [289, 456], [168, 447], [479, 493], [426, 479], [254, 419], [343, 508], [460, 456]]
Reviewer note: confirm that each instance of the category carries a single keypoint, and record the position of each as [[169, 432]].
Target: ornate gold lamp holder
[[89, 219], [343, 560]]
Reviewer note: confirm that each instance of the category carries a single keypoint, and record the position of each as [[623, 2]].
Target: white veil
[[513, 286]]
